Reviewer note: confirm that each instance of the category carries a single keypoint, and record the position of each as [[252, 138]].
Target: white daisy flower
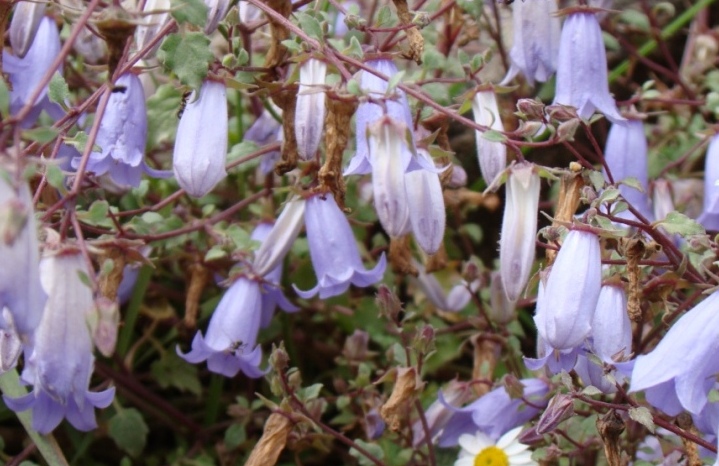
[[480, 450]]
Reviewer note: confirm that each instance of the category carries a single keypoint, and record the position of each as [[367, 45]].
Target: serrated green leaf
[[384, 16], [42, 135], [678, 223], [188, 56], [79, 141], [642, 415], [494, 136], [172, 371], [129, 431], [591, 390], [57, 90], [216, 252], [97, 213], [189, 11], [633, 183], [235, 435], [394, 81], [55, 177], [610, 194], [354, 49], [597, 179], [310, 25]]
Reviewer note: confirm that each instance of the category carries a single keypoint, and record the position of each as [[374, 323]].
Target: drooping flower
[[611, 327], [310, 111], [679, 373], [536, 32], [425, 203], [216, 12], [492, 155], [455, 300], [24, 25], [201, 145], [230, 344], [158, 12], [279, 239], [333, 251], [480, 450], [20, 289], [438, 413], [494, 413], [572, 292], [582, 80], [626, 156], [265, 130], [517, 248], [26, 73], [122, 136], [710, 213], [61, 362]]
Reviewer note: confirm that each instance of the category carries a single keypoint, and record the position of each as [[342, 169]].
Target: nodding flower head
[[310, 111], [710, 213], [492, 155]]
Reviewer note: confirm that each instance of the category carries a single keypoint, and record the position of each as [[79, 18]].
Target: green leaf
[[610, 194], [642, 415], [372, 448], [235, 435], [677, 223], [172, 371], [216, 252], [188, 56], [591, 390], [189, 11], [384, 16], [162, 110], [129, 431], [55, 176], [41, 135], [394, 81], [57, 90], [494, 136], [311, 392], [354, 49], [597, 179], [98, 211], [310, 25], [79, 141], [292, 45], [633, 183]]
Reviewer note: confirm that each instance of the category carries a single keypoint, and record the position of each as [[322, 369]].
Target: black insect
[[183, 104], [119, 89]]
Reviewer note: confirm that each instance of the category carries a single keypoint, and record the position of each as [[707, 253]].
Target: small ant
[[183, 104]]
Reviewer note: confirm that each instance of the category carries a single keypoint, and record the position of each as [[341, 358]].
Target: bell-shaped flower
[[611, 327], [216, 12], [425, 202], [710, 213], [572, 292], [272, 295], [535, 50], [24, 25], [679, 373], [10, 343], [230, 344], [492, 155], [333, 251], [277, 243], [158, 12], [662, 199], [265, 130], [592, 372], [494, 413], [27, 73], [20, 289], [310, 110], [582, 80], [626, 156], [61, 363], [201, 144], [122, 136], [438, 414], [517, 244], [455, 300]]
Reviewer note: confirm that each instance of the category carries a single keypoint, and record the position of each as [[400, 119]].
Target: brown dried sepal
[[116, 26], [274, 439], [634, 249], [610, 427], [277, 54], [438, 123], [414, 37], [109, 283], [486, 354], [570, 192], [286, 99], [407, 385], [199, 275], [400, 256], [337, 133], [436, 261]]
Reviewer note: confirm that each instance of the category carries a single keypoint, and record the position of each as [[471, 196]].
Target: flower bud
[[611, 328], [279, 240], [532, 109], [517, 248], [24, 25], [310, 111], [201, 144], [492, 155], [662, 199], [426, 207], [158, 12]]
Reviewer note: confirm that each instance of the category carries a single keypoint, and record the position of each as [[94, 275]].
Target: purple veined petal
[[24, 25], [710, 212], [310, 111], [492, 155], [438, 413], [536, 31], [157, 13], [611, 327], [426, 207], [582, 80], [279, 240], [626, 156], [517, 249], [201, 145], [390, 160], [216, 12], [333, 250]]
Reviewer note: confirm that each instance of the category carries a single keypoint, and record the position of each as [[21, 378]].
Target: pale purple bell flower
[[10, 343], [611, 327], [517, 243], [455, 300], [201, 145], [61, 363], [266, 130], [310, 109], [492, 155], [592, 373], [425, 202], [333, 251], [278, 241], [678, 374], [572, 291], [272, 294], [438, 414], [230, 344], [535, 50], [216, 12], [494, 413], [626, 155], [710, 212], [157, 14], [582, 80], [24, 25], [20, 288], [26, 73], [122, 136]]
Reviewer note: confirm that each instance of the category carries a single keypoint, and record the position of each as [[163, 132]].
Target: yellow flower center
[[491, 456]]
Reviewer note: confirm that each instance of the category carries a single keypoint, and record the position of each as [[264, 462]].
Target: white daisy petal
[[515, 448], [466, 461], [522, 459], [469, 443], [509, 437]]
